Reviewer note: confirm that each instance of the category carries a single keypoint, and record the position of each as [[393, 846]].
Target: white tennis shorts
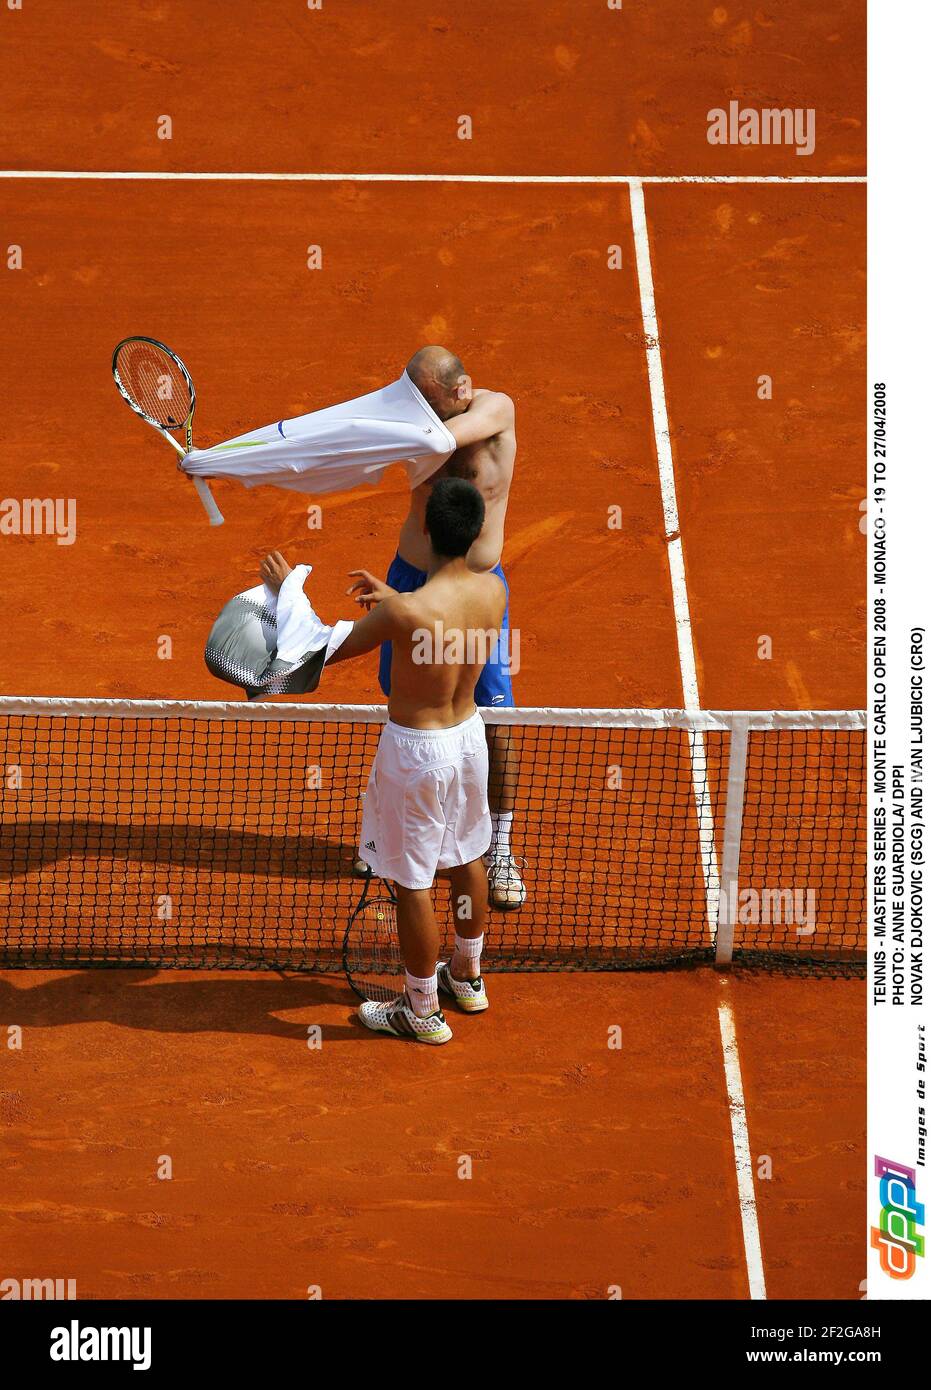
[[426, 805]]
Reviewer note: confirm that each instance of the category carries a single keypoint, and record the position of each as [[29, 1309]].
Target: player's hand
[[274, 570], [367, 590]]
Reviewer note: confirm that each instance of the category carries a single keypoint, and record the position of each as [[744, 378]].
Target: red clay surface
[[338, 1167], [592, 1168], [802, 1047], [754, 281], [560, 88]]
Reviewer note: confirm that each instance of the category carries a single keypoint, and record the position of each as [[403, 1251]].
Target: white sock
[[501, 822], [423, 996], [467, 954]]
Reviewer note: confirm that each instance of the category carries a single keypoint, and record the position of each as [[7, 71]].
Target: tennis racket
[[371, 955], [155, 383]]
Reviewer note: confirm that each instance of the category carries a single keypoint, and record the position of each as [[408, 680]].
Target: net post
[[730, 853], [704, 812]]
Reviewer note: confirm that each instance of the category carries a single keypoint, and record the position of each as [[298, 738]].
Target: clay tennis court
[[534, 1157]]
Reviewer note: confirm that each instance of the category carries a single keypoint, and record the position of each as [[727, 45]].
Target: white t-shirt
[[273, 644], [339, 447]]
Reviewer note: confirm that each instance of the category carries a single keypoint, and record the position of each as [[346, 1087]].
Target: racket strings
[[373, 958], [156, 384]]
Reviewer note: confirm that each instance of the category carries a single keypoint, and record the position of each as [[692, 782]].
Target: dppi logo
[[896, 1238]]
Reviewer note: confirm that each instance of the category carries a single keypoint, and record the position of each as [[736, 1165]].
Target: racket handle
[[206, 496]]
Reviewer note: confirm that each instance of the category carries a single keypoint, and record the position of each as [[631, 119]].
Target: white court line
[[687, 666], [667, 479], [184, 175], [753, 1252], [680, 595]]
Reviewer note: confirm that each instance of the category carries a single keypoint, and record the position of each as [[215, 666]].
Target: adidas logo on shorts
[[370, 844]]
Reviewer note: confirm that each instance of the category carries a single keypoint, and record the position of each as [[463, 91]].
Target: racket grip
[[206, 496]]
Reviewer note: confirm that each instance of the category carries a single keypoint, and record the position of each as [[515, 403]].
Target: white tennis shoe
[[506, 888], [468, 995], [399, 1019]]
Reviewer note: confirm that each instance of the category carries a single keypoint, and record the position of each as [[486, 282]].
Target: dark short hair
[[455, 516]]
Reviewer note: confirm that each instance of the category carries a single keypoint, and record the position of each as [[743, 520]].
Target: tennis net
[[173, 833]]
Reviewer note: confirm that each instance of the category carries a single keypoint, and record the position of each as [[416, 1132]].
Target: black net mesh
[[169, 840]]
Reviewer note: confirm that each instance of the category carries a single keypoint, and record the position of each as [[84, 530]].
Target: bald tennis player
[[482, 423], [426, 804]]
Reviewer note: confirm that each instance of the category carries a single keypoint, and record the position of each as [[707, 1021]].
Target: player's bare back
[[442, 634], [488, 464]]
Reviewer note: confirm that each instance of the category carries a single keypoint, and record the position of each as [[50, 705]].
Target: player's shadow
[[29, 846], [155, 1001]]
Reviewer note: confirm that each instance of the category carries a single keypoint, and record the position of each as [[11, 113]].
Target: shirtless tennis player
[[426, 805], [482, 423]]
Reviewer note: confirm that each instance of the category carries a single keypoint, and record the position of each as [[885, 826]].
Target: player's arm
[[379, 625], [489, 414], [382, 624], [367, 590]]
